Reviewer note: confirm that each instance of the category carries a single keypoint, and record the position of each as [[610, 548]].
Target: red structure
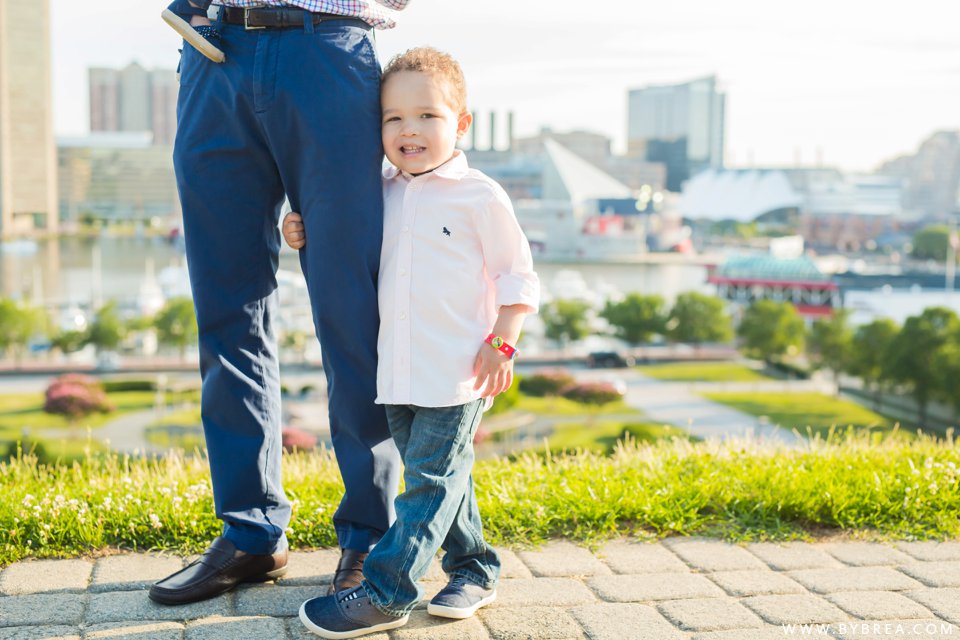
[[744, 280]]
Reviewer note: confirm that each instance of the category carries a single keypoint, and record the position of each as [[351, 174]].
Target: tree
[[565, 320], [636, 318], [18, 323], [69, 340], [914, 350], [697, 318], [107, 330], [830, 343], [771, 330], [946, 364], [176, 324], [930, 243], [868, 354]]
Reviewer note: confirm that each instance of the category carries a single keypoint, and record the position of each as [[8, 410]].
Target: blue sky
[[856, 82]]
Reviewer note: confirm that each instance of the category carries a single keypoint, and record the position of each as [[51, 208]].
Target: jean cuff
[[356, 537], [385, 610], [254, 544], [474, 578]]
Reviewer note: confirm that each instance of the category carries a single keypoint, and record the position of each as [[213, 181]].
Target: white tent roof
[[570, 177], [736, 195]]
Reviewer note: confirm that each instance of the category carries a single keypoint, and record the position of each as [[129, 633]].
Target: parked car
[[609, 360]]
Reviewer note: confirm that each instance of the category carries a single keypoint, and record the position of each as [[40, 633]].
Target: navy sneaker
[[347, 614], [205, 39], [460, 599]]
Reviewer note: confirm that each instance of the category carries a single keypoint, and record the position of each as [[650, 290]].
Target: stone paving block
[[794, 609], [123, 606], [708, 614], [755, 583], [609, 621], [929, 551], [865, 554], [926, 628], [277, 601], [653, 586], [37, 609], [766, 633], [640, 557], [543, 592], [790, 556], [563, 559], [511, 566], [310, 568], [943, 602], [713, 555], [39, 633], [530, 623], [135, 631], [878, 605], [45, 576], [132, 571], [854, 579], [225, 628], [423, 626], [299, 632], [934, 574], [435, 572]]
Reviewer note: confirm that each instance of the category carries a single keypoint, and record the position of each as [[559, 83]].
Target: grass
[[603, 436], [737, 490], [816, 411], [702, 372], [560, 406], [186, 418]]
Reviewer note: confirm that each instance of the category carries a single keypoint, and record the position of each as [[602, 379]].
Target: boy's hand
[[293, 231], [493, 369]]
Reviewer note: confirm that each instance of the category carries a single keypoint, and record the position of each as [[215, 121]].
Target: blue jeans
[[437, 509], [292, 112]]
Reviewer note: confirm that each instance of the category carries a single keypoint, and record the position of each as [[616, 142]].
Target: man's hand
[[293, 231], [494, 371]]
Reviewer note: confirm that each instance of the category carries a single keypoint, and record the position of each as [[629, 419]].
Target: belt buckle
[[246, 21]]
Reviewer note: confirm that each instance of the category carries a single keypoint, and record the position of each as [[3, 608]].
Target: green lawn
[[799, 411], [185, 418], [702, 372], [738, 490], [602, 437], [559, 406]]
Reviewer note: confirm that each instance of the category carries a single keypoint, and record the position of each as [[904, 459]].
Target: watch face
[[497, 342]]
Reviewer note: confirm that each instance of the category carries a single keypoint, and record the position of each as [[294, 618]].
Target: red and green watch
[[501, 345]]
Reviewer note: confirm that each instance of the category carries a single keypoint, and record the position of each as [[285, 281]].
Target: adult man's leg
[[321, 113], [231, 192]]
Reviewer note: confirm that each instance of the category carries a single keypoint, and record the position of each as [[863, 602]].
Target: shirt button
[[403, 316], [406, 229], [403, 272]]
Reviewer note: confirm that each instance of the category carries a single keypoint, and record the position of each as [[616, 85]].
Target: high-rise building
[[679, 125], [28, 185], [134, 99]]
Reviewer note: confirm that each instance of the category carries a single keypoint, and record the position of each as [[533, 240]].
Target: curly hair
[[439, 65]]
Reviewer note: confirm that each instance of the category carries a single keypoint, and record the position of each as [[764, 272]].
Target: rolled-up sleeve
[[506, 253], [398, 5]]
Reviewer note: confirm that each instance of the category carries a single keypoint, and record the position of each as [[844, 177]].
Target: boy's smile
[[420, 127]]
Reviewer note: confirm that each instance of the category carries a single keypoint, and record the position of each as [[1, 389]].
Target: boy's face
[[420, 128]]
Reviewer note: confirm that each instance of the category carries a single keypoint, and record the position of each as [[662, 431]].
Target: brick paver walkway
[[680, 588]]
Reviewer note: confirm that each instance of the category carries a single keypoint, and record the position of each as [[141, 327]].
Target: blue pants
[[295, 112], [437, 509]]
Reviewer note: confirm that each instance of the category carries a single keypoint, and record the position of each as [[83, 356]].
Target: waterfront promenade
[[676, 589]]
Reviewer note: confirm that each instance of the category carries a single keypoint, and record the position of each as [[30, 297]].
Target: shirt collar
[[453, 169]]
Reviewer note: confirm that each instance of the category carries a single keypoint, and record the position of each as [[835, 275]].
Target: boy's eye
[[427, 115], [393, 119]]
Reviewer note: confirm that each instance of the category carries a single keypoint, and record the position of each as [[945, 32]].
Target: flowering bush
[[546, 383], [76, 396], [598, 393], [297, 439]]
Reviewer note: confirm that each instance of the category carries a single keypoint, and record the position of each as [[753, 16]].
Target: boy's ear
[[463, 124]]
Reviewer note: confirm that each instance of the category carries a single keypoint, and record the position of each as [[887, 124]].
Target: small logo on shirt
[[446, 231]]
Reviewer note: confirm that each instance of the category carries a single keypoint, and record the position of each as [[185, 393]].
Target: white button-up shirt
[[453, 254]]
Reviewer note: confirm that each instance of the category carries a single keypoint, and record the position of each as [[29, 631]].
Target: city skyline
[[816, 82]]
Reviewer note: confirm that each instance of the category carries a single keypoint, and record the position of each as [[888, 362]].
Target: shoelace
[[350, 594], [458, 582]]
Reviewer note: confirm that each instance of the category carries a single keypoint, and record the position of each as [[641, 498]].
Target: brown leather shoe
[[221, 567], [349, 571]]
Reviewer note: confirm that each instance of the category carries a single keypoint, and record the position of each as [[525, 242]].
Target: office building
[[134, 99]]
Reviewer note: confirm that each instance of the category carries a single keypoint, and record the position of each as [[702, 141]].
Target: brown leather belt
[[276, 17]]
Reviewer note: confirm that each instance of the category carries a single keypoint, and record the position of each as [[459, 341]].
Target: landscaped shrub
[[546, 383], [76, 396], [298, 440], [115, 386], [598, 393]]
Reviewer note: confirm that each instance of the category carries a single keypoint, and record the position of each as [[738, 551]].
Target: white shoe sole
[[342, 635], [458, 613], [193, 38]]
